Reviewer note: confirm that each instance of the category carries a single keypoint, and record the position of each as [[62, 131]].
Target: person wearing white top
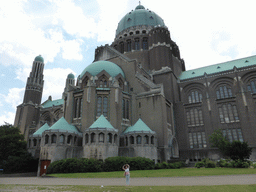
[[126, 169]]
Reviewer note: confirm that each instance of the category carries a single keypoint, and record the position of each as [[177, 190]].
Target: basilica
[[137, 99]]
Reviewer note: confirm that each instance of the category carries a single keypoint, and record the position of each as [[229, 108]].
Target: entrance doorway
[[44, 166]]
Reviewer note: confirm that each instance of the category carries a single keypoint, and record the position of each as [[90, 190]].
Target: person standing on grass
[[126, 168]]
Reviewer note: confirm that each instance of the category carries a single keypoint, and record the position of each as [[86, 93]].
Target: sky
[[67, 32]]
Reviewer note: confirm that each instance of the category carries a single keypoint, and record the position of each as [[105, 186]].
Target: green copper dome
[[140, 16], [71, 76], [95, 68], [39, 58]]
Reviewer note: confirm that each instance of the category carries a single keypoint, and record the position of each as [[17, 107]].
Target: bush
[[74, 165], [22, 164], [222, 163], [210, 164], [205, 163], [199, 164]]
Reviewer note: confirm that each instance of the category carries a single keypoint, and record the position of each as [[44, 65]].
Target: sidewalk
[[158, 181]]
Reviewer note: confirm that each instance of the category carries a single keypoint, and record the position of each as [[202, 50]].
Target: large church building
[[137, 99]]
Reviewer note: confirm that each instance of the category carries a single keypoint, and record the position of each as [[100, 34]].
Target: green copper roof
[[39, 58], [101, 122], [62, 125], [139, 126], [53, 103], [140, 16], [71, 76], [95, 68], [217, 68], [41, 130]]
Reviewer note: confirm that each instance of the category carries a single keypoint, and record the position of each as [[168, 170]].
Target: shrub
[[210, 164], [73, 165], [205, 163], [115, 163], [199, 164], [222, 163]]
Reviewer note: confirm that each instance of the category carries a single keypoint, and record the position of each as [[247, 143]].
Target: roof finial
[[139, 3]]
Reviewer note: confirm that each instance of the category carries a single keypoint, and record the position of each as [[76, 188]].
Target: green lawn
[[222, 188], [184, 172]]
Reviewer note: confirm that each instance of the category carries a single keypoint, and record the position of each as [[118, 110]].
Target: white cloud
[[72, 50], [7, 117], [14, 97], [73, 19]]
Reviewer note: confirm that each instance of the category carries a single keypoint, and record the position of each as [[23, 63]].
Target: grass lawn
[[184, 172], [222, 188]]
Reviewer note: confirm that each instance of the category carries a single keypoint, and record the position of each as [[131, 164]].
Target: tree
[[11, 142], [14, 156], [235, 150]]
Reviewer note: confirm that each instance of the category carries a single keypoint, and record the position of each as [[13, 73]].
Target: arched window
[[145, 43], [62, 139], [251, 86], [101, 138], [137, 44], [126, 141], [228, 113], [152, 140], [93, 139], [69, 139], [223, 92], [75, 140], [146, 139], [131, 140], [195, 97], [102, 106], [138, 139], [122, 47], [109, 138], [78, 107], [115, 138], [126, 108], [46, 140], [194, 117], [54, 138], [86, 138], [129, 45], [34, 142]]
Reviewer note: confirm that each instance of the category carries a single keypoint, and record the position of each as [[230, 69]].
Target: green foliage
[[11, 142], [234, 163], [236, 150], [14, 157], [73, 165], [207, 163], [165, 165], [199, 164], [84, 165]]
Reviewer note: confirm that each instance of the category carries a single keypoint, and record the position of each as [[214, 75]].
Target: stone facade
[[141, 77]]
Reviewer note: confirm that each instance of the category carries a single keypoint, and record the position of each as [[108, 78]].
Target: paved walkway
[[158, 181]]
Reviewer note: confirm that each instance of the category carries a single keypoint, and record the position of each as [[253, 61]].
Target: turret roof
[[139, 126], [41, 130], [101, 122], [63, 126]]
